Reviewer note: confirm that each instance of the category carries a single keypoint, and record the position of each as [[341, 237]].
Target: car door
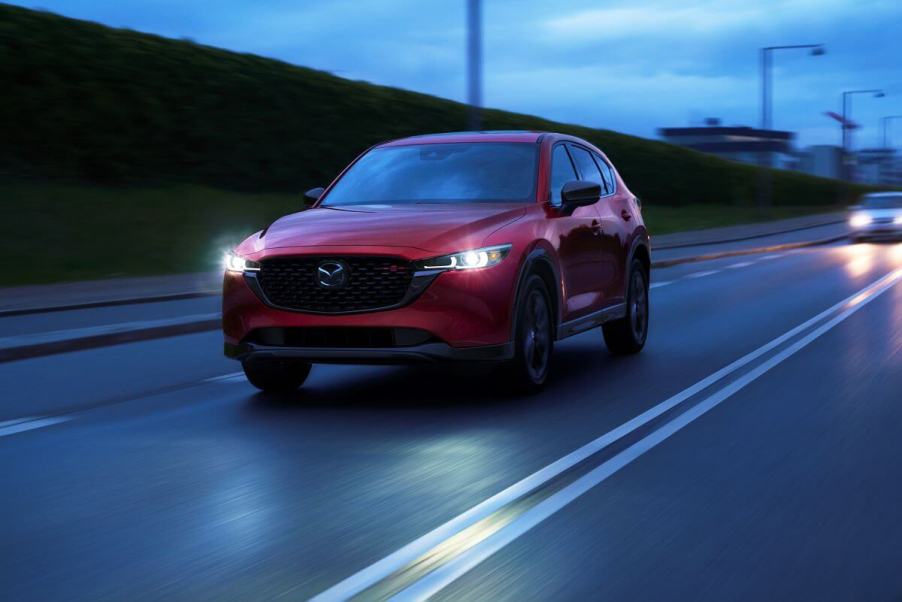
[[616, 210], [608, 232], [580, 248]]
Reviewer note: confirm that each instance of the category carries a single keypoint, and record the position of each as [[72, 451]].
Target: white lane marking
[[774, 256], [16, 421], [702, 274], [741, 264], [11, 427], [659, 284], [437, 580], [225, 378], [381, 569]]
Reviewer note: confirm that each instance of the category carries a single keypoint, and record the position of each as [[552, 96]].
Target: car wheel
[[276, 376], [628, 334], [533, 337]]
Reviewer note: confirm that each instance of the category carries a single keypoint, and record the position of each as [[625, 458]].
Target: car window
[[587, 168], [440, 173], [883, 201], [607, 171], [561, 172]]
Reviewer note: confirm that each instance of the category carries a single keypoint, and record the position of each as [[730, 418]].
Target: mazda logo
[[332, 274]]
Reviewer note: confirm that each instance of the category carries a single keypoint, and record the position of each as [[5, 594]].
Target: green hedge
[[89, 103]]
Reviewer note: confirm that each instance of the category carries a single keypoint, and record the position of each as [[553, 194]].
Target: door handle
[[626, 215]]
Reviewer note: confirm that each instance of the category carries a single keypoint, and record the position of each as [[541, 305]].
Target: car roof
[[883, 194], [450, 137]]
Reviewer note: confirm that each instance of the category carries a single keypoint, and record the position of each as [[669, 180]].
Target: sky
[[631, 66]]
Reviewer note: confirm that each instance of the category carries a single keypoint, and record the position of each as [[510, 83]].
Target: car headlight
[[236, 263], [467, 260], [859, 219], [898, 220]]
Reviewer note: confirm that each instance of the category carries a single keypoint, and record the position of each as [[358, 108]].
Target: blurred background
[[190, 124]]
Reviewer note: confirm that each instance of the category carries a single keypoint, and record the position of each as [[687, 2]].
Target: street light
[[816, 50], [884, 122], [846, 116], [764, 157]]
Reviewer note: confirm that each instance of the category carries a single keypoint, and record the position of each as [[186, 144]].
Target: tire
[[628, 334], [533, 338], [276, 376]]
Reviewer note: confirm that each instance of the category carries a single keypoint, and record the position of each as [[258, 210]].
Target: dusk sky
[[624, 65]]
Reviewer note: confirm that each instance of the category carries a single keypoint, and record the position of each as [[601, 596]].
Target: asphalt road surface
[[752, 451]]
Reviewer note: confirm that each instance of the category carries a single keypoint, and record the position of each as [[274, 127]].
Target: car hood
[[434, 228]]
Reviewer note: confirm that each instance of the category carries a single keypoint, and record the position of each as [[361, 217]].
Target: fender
[[538, 255]]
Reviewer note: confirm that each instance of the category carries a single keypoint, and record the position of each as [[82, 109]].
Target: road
[[752, 451]]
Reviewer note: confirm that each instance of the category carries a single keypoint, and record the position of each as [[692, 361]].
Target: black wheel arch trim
[[536, 255], [639, 241]]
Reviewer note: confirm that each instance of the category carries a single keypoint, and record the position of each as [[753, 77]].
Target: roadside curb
[[27, 311], [721, 241], [666, 263], [41, 344]]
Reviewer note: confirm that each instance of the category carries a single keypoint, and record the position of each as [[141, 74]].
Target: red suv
[[485, 246]]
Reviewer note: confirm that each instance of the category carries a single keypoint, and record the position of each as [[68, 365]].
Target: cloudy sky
[[627, 65]]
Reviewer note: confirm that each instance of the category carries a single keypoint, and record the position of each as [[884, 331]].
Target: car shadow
[[580, 366]]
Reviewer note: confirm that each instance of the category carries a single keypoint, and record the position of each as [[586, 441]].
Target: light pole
[[884, 122], [764, 157], [816, 50], [846, 130], [474, 63]]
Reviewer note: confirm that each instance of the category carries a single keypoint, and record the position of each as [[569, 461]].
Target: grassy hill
[[128, 153], [91, 103]]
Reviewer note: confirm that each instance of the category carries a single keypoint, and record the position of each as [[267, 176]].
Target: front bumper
[[425, 353], [878, 230], [459, 309]]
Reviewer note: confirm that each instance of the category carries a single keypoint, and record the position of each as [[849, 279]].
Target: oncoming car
[[878, 215], [473, 246]]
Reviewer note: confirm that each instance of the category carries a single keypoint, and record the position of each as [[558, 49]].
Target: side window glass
[[561, 172], [587, 168], [607, 172]]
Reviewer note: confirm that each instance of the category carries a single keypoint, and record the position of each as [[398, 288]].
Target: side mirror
[[579, 193], [312, 196]]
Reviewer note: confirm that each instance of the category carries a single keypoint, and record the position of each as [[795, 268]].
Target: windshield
[[889, 201], [440, 173]]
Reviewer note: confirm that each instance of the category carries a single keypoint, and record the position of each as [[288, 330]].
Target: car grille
[[372, 283]]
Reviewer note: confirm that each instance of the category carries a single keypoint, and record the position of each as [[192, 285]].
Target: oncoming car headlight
[[236, 263], [467, 260], [859, 220]]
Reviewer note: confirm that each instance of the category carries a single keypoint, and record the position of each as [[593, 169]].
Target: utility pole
[[474, 63]]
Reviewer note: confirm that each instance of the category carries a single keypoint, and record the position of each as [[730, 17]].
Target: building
[[735, 143], [823, 160], [880, 166]]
